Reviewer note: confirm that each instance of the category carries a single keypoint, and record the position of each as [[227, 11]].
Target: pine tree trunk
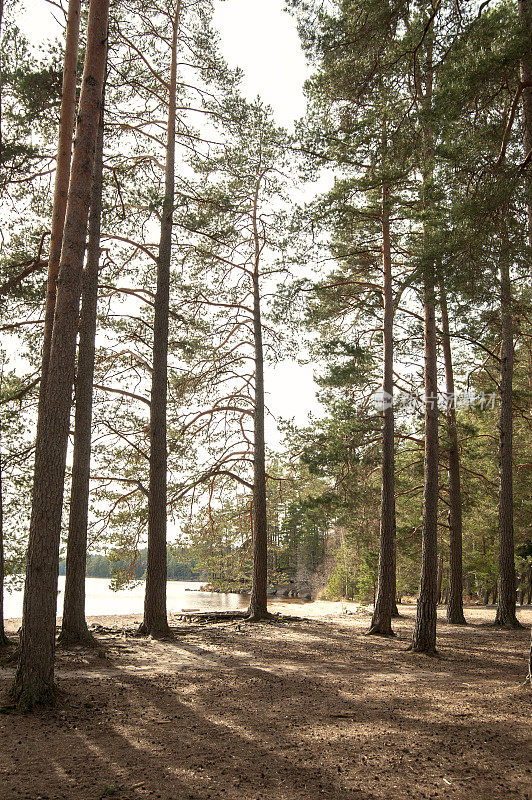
[[3, 638], [74, 628], [258, 604], [62, 176], [529, 676], [525, 15], [155, 622], [424, 638], [381, 622], [455, 605], [439, 580], [396, 597], [506, 584], [34, 680], [1, 92]]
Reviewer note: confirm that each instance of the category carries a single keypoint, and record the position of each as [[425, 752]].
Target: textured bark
[[525, 15], [62, 176], [529, 676], [455, 605], [1, 89], [522, 589], [258, 601], [506, 584], [74, 628], [155, 622], [396, 597], [34, 680], [424, 637], [439, 579], [381, 622], [3, 637]]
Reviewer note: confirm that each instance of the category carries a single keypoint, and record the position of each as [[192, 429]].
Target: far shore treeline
[[120, 569]]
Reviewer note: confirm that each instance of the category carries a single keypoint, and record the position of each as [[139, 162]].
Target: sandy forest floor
[[290, 710]]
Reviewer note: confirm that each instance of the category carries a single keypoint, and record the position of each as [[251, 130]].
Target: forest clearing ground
[[295, 710]]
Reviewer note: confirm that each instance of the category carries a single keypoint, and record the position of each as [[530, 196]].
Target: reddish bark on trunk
[[62, 177], [455, 605], [424, 638], [155, 622], [3, 638], [258, 602], [34, 680], [506, 600], [381, 622], [74, 628], [525, 15]]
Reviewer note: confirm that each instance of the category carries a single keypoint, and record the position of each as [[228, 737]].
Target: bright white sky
[[260, 37], [257, 35]]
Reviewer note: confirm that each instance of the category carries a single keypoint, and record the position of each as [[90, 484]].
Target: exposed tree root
[[510, 623], [259, 616], [5, 641], [158, 632], [82, 638], [213, 616], [430, 651], [458, 620], [377, 630], [28, 697], [13, 657]]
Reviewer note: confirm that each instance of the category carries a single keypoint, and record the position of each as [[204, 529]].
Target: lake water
[[101, 600]]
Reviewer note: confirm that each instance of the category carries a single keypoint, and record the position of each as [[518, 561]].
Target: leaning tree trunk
[[61, 188], [455, 605], [74, 628], [381, 622], [34, 680], [258, 604], [62, 176], [424, 638], [155, 622], [506, 584]]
